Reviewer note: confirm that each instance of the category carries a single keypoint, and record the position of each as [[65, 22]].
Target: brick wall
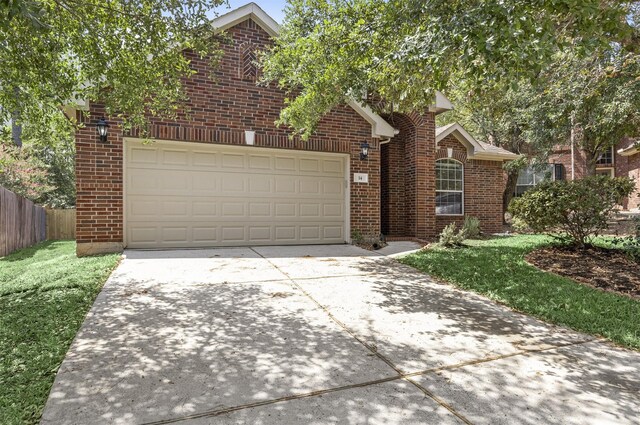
[[483, 187], [408, 189], [408, 182], [624, 166], [562, 155], [220, 110]]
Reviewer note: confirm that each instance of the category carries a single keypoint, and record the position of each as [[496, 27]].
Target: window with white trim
[[609, 172], [606, 158], [531, 176], [449, 187]]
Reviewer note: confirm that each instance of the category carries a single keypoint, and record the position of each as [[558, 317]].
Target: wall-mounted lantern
[[102, 127], [364, 151]]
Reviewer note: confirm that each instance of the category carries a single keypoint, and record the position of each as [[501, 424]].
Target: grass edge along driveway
[[497, 269], [45, 293]]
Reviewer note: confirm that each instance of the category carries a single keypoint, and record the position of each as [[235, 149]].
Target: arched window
[[449, 187]]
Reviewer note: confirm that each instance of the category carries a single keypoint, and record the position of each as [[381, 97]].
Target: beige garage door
[[180, 194]]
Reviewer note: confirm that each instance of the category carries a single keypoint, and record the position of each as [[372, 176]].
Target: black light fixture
[[102, 127], [364, 151]]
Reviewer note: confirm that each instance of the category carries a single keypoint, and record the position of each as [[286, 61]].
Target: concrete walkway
[[324, 335]]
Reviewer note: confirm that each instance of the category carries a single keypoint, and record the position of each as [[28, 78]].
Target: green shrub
[[451, 236], [573, 211], [471, 227], [630, 244]]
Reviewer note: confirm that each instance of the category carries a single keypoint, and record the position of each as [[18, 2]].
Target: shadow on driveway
[[320, 334]]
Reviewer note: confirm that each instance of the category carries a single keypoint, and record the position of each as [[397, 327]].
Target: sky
[[273, 8]]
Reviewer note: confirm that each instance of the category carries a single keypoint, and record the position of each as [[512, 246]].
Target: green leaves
[[402, 50], [128, 54], [573, 210]]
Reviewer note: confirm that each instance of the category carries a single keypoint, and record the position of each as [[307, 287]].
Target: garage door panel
[[175, 234], [178, 209], [260, 233], [143, 235], [201, 209], [332, 210], [205, 234], [310, 210], [309, 187], [141, 155], [333, 232], [260, 184], [284, 185], [333, 167], [204, 159], [287, 163], [284, 234], [139, 182], [232, 160], [309, 233], [233, 209], [309, 164], [233, 234], [171, 235], [260, 209], [260, 162], [197, 195], [285, 210], [175, 157]]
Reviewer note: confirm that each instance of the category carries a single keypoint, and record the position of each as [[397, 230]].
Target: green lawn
[[496, 268], [45, 292]]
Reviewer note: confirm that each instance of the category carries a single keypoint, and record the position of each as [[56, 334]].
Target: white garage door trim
[[231, 152]]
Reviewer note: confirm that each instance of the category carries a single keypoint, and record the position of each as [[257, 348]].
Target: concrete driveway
[[319, 335]]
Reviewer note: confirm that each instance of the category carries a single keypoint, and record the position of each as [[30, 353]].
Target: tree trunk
[[509, 190], [16, 126], [16, 132], [590, 166]]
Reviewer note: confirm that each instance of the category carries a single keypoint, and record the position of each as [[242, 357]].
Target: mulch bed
[[600, 268]]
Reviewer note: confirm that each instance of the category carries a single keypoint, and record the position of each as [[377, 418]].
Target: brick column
[[99, 208]]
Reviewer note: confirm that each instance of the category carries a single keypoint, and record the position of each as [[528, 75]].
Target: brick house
[[622, 160], [225, 175]]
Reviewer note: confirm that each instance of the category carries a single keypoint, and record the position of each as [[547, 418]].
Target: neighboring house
[[622, 160], [227, 176]]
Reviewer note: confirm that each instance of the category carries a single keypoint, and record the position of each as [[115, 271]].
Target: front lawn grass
[[45, 293], [497, 269]]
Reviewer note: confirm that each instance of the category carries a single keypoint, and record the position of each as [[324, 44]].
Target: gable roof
[[248, 11], [475, 148], [379, 127]]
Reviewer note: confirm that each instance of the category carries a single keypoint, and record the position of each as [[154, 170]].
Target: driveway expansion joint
[[368, 346], [477, 358], [402, 376]]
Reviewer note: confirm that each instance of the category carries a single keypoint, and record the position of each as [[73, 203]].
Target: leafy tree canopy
[[43, 170], [513, 117], [402, 50], [128, 53], [598, 96]]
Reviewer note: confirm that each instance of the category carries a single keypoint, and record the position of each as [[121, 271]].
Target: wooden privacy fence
[[61, 224], [22, 223]]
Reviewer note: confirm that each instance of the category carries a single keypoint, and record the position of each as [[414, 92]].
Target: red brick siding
[[483, 187], [99, 185], [409, 183], [220, 111], [624, 166], [562, 155]]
